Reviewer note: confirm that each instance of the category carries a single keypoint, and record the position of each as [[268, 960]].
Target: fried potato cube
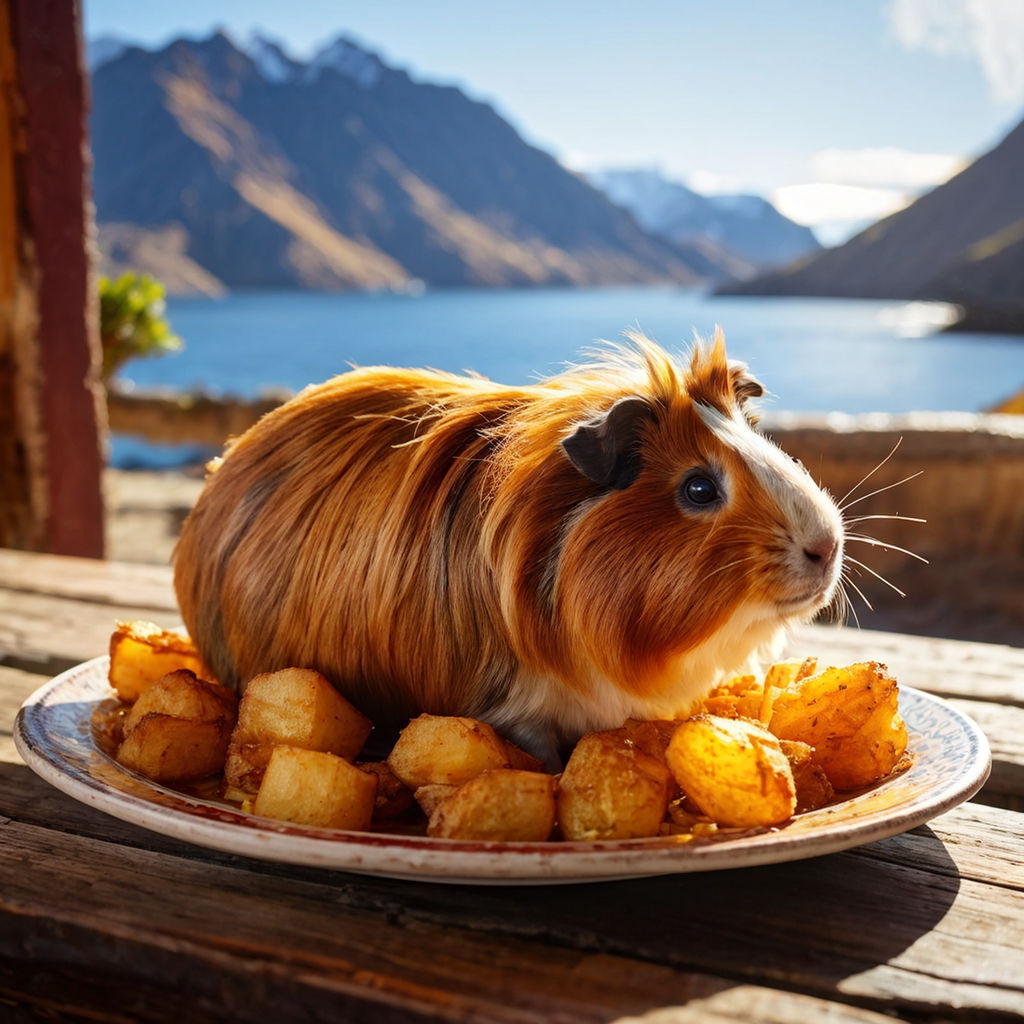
[[393, 798], [813, 788], [851, 717], [292, 707], [520, 759], [733, 705], [178, 730], [502, 804], [141, 653], [312, 787], [781, 676], [452, 750], [182, 694], [734, 770], [611, 789], [430, 795], [737, 686], [740, 697], [651, 736]]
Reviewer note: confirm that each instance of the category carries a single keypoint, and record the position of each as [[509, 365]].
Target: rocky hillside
[[744, 234], [219, 166], [963, 242]]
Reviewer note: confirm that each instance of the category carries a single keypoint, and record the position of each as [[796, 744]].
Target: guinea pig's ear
[[606, 448], [744, 386]]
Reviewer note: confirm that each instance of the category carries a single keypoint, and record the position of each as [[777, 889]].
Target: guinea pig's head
[[700, 540]]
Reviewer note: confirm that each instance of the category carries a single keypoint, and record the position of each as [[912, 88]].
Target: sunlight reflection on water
[[814, 355]]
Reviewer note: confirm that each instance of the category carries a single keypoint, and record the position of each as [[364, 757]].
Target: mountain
[[103, 49], [241, 167], [744, 233], [962, 242]]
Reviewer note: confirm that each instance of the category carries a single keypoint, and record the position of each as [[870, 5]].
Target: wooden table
[[100, 920]]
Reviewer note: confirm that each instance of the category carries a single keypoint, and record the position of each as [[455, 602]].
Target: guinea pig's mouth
[[811, 601]]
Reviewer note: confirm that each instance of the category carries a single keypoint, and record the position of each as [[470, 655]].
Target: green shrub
[[132, 323]]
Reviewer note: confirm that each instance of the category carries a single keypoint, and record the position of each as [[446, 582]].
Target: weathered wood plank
[[976, 842], [262, 948], [15, 686], [50, 634], [925, 926], [88, 579], [1004, 728]]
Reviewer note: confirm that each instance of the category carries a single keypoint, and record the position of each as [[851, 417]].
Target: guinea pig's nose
[[821, 550]]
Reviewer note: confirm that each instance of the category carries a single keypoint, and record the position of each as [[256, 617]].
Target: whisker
[[837, 607], [730, 565], [878, 576], [870, 474], [904, 519], [888, 487], [849, 605], [888, 547], [862, 597]]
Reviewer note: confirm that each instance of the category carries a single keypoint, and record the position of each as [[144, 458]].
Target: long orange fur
[[423, 540]]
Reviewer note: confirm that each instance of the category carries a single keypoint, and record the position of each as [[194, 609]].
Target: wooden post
[[52, 418]]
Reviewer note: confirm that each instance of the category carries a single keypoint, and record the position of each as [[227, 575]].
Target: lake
[[812, 354]]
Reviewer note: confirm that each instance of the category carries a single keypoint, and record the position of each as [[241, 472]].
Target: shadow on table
[[811, 922], [805, 924]]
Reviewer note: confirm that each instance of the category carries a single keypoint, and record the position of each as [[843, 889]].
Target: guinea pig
[[552, 559]]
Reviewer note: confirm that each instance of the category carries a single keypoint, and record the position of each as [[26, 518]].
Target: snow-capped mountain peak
[[646, 194], [104, 49], [746, 226], [348, 59], [748, 206], [269, 57]]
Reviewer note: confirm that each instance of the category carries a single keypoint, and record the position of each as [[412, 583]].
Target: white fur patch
[[539, 710], [807, 509]]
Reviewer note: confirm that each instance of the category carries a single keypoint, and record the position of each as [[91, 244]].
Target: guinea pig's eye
[[699, 490]]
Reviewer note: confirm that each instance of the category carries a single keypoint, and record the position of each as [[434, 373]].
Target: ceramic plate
[[53, 734]]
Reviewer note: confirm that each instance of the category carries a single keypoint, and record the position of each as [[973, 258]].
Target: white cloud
[[820, 203], [851, 188], [709, 183], [990, 31], [580, 161], [885, 167]]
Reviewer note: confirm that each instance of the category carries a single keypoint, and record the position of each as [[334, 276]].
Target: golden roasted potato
[[781, 676], [611, 789], [393, 796], [293, 707], [733, 770], [182, 694], [652, 737], [520, 759], [312, 787], [178, 730], [451, 750], [141, 653], [502, 804], [813, 788], [430, 795], [851, 717], [741, 697]]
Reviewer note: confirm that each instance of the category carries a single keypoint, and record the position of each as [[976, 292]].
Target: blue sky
[[838, 111]]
